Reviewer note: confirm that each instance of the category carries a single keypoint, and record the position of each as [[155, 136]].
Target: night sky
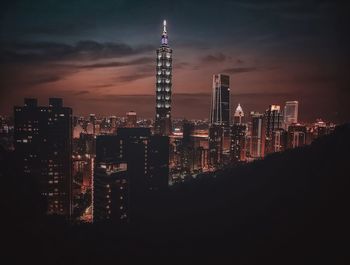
[[100, 55]]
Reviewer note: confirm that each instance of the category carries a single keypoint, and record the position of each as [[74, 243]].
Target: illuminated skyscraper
[[238, 115], [163, 86], [111, 192], [296, 135], [279, 140], [215, 145], [273, 121], [238, 134], [131, 119], [133, 159], [187, 147], [291, 113], [43, 146], [220, 101], [257, 135]]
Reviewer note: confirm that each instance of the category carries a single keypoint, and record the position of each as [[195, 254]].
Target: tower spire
[[164, 34], [164, 27]]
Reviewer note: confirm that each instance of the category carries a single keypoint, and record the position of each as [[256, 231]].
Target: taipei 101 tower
[[163, 86]]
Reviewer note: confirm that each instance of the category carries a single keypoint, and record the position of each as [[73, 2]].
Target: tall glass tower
[[163, 86], [291, 113], [220, 101]]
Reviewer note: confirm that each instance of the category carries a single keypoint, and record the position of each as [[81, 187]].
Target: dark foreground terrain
[[290, 208]]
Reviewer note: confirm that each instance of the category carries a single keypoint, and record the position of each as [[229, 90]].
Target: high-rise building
[[163, 86], [131, 119], [187, 132], [273, 121], [216, 133], [257, 138], [92, 120], [321, 128], [43, 146], [111, 192], [296, 135], [158, 153], [113, 121], [220, 113], [146, 158], [238, 134], [238, 115], [187, 147], [291, 113], [279, 140]]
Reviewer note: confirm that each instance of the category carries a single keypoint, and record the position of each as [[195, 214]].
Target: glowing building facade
[[163, 86], [43, 144], [291, 113], [220, 102]]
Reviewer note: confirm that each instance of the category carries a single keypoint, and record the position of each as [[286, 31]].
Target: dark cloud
[[216, 58], [239, 70], [102, 86], [181, 65], [133, 77], [143, 60], [140, 72], [83, 50], [44, 79], [82, 92], [68, 29], [192, 44], [113, 97]]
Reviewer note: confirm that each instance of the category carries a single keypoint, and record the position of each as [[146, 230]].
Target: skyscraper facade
[[238, 116], [145, 160], [220, 101], [163, 124], [187, 146], [273, 121], [43, 146], [238, 134], [215, 145], [296, 135], [131, 119], [291, 113], [279, 140], [257, 141], [111, 192]]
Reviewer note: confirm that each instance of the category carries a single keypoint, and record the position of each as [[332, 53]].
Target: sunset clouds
[[100, 55]]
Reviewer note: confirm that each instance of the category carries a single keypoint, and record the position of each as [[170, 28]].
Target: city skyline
[[185, 132], [273, 53]]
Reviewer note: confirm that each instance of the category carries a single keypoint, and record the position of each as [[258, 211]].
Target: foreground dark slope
[[290, 208]]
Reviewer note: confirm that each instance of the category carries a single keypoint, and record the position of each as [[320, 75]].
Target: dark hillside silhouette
[[290, 208]]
